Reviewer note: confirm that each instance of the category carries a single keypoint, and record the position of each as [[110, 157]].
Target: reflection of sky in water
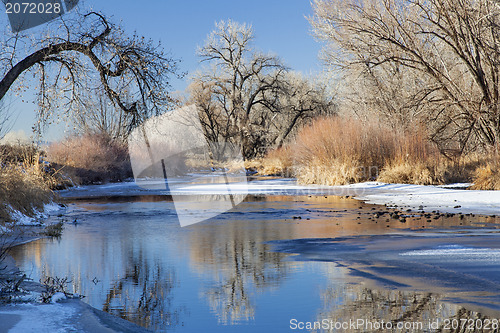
[[153, 272], [213, 275]]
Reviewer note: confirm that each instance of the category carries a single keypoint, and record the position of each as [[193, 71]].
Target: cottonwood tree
[[98, 115], [5, 117], [444, 52], [247, 97], [301, 99], [75, 52]]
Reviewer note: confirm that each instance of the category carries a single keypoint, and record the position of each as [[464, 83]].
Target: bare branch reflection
[[144, 295], [240, 265], [344, 302]]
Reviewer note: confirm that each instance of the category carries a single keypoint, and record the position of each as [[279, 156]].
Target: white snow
[[445, 200], [40, 318], [464, 253], [52, 208], [22, 220], [29, 296], [462, 186], [271, 186], [451, 198], [57, 297]]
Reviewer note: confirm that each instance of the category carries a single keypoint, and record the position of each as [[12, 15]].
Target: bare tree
[[301, 99], [241, 79], [445, 53], [79, 50], [5, 120], [247, 97], [215, 122], [98, 115]]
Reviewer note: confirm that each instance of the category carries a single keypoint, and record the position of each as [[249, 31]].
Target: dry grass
[[91, 159], [417, 161], [333, 173], [487, 175], [334, 151], [278, 162], [24, 184], [433, 170], [411, 173]]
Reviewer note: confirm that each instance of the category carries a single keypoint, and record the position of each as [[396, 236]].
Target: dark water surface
[[259, 266]]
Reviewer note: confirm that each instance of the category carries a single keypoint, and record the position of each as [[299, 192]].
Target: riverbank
[[75, 314], [65, 316], [21, 309], [452, 198], [25, 313]]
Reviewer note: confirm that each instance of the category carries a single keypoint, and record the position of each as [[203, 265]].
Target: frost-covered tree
[[431, 61], [248, 97]]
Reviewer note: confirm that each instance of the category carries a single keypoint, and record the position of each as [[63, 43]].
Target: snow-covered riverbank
[[66, 316], [26, 313], [75, 315], [445, 199]]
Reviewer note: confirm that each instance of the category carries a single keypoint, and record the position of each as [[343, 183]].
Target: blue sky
[[280, 27]]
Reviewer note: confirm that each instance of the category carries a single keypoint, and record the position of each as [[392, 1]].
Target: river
[[277, 262]]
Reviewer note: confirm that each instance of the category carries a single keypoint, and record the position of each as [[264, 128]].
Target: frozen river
[[286, 257]]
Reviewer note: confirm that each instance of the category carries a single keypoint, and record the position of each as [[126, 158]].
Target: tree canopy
[[434, 61], [80, 54], [248, 97]]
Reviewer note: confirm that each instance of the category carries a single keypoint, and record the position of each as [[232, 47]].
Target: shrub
[[337, 151], [25, 186], [487, 175], [89, 159], [53, 285], [334, 151], [53, 230]]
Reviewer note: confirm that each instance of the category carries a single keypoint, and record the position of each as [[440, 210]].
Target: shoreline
[[399, 196], [444, 198], [429, 198], [25, 313]]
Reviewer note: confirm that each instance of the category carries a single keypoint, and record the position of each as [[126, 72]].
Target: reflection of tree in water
[[351, 302], [144, 295], [240, 264]]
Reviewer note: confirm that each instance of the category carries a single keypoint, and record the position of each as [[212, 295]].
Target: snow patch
[[41, 318], [23, 220], [28, 297], [52, 208], [425, 197], [459, 252], [57, 297]]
